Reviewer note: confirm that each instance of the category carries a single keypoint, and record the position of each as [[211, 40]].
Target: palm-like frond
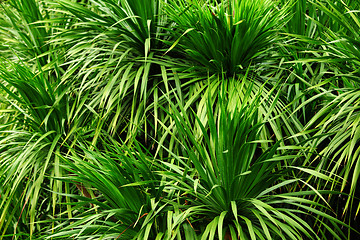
[[118, 62], [225, 37], [338, 124], [25, 31], [128, 198], [42, 121], [236, 182], [345, 42]]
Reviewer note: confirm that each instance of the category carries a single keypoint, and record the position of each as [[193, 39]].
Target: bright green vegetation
[[179, 119]]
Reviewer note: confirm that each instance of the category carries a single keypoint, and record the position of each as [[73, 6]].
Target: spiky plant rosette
[[225, 37], [239, 187]]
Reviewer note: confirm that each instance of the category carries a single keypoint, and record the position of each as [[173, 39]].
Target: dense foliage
[[179, 119]]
